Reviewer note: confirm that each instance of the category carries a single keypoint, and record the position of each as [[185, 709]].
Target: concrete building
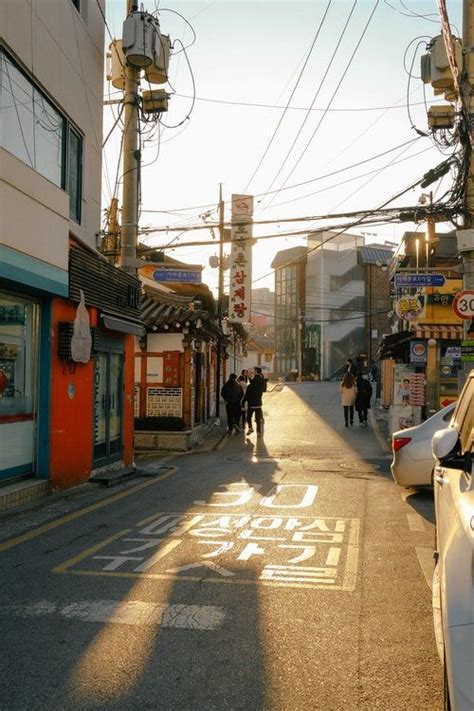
[[347, 296], [59, 419]]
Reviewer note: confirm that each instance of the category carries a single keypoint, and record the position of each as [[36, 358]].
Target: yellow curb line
[[30, 535]]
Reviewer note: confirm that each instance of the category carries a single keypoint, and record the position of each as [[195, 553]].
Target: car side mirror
[[444, 443]]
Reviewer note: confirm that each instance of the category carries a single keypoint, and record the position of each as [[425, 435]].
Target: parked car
[[413, 463], [453, 582]]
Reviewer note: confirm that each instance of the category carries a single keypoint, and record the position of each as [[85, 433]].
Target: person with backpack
[[232, 393], [253, 398]]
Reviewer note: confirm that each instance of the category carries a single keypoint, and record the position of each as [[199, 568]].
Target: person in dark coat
[[363, 397], [253, 398], [232, 392]]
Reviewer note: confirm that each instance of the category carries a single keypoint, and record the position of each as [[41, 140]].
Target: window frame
[[68, 128]]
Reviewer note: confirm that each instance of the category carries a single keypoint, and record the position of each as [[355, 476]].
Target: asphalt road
[[284, 572]]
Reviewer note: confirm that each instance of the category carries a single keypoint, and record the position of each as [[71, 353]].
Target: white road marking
[[136, 612], [415, 522], [426, 561]]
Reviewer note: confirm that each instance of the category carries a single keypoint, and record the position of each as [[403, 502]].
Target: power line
[[351, 59], [280, 121], [321, 83], [257, 105]]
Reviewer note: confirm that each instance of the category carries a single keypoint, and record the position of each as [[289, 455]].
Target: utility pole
[[131, 163], [220, 298], [466, 239]]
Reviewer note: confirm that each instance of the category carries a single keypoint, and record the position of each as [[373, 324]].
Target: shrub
[[165, 423]]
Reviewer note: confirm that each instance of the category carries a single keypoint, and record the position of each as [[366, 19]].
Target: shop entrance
[[108, 405]]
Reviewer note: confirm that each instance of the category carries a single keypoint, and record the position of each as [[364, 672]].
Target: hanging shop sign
[[409, 308], [418, 352], [418, 280], [241, 259]]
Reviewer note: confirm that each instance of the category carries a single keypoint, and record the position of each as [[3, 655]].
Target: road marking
[[36, 532], [132, 612], [172, 545], [426, 561], [415, 522]]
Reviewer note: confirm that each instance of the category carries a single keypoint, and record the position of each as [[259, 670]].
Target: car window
[[447, 416]]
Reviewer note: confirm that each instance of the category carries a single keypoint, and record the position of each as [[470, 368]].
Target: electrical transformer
[[138, 38], [157, 71]]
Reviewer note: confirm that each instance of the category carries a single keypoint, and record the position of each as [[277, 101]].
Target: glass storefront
[[19, 321]]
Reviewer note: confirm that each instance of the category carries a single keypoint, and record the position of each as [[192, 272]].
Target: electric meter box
[[441, 116], [117, 65], [465, 240], [155, 101], [138, 33], [157, 71]]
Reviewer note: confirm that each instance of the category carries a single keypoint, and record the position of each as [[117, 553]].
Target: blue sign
[[420, 280], [174, 275]]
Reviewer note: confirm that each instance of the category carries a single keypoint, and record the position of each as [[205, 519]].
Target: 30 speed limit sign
[[463, 304]]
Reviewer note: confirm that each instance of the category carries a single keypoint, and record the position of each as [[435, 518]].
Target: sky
[[354, 63]]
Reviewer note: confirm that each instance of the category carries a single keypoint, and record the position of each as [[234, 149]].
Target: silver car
[[453, 582], [413, 463]]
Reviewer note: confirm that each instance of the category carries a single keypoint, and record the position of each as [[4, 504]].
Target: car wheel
[[446, 700]]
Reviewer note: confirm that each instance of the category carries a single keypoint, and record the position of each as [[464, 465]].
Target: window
[[35, 132], [74, 174]]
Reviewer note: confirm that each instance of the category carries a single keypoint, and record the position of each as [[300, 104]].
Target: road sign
[[463, 304], [420, 280]]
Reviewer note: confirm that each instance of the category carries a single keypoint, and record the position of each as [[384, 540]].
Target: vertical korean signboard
[[241, 259]]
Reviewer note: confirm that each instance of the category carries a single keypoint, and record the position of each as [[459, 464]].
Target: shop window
[[37, 133], [16, 356]]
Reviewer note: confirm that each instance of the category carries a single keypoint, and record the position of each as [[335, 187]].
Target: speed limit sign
[[463, 304]]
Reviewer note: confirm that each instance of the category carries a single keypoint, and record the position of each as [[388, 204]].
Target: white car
[[453, 581], [413, 463]]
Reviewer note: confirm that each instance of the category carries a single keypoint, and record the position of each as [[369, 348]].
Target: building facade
[[59, 419], [290, 278]]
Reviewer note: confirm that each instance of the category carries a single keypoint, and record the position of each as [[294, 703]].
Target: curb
[[376, 430]]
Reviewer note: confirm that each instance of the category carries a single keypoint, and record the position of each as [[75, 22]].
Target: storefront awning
[[122, 325], [439, 332], [393, 343]]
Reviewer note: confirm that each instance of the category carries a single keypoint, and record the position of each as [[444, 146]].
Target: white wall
[[63, 51]]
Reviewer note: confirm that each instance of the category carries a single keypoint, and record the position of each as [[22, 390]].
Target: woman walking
[[348, 391]]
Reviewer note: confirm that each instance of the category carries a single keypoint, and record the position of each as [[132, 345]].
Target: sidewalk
[[378, 417]]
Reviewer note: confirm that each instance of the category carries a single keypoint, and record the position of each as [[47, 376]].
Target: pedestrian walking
[[245, 375], [348, 391], [243, 405], [232, 393], [253, 397], [362, 401]]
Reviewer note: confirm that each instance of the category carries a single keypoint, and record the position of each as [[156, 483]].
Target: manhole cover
[[359, 465]]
